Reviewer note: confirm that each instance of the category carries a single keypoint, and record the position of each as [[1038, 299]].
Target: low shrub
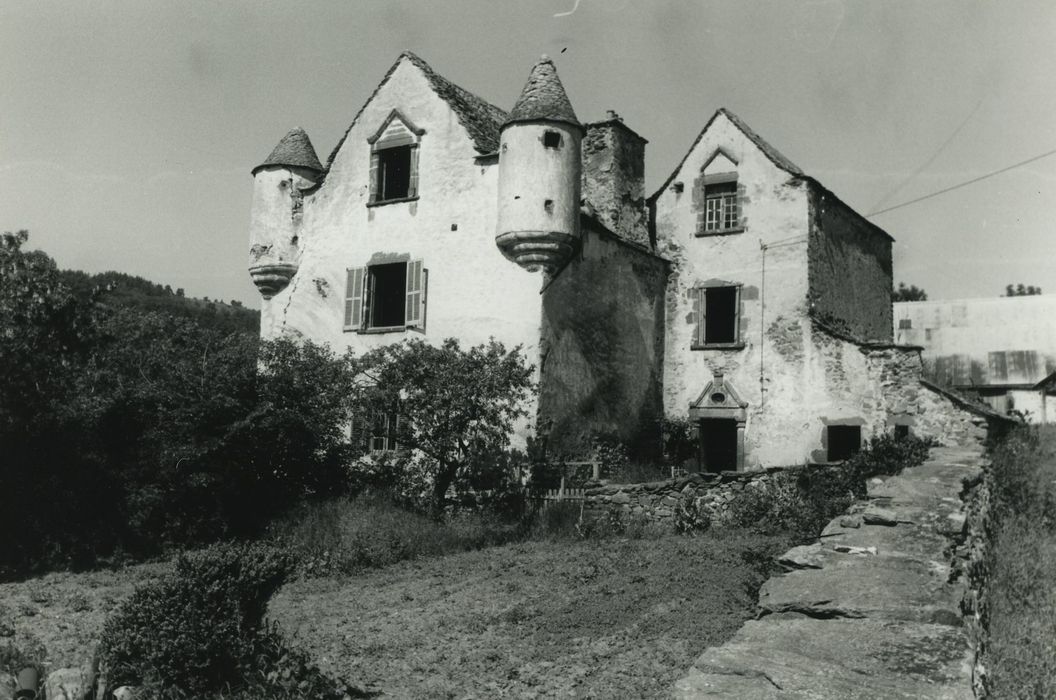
[[558, 520], [780, 505], [691, 516], [803, 502], [199, 631]]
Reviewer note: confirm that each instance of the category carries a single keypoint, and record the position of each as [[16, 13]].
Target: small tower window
[[551, 139]]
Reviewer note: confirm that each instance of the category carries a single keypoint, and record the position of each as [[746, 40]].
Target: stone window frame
[[359, 291], [724, 222], [396, 131], [851, 422], [699, 333], [719, 399]]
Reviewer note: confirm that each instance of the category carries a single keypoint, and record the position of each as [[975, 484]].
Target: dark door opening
[[845, 441], [718, 445]]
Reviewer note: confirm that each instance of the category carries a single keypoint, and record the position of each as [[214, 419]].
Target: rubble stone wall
[[657, 500]]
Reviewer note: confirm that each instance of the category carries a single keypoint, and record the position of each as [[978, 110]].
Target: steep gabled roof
[[294, 149], [480, 119], [543, 97], [769, 151]]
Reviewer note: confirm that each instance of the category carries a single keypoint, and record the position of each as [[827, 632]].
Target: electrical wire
[[963, 184]]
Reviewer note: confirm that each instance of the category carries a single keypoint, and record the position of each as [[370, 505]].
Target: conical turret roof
[[295, 149], [543, 98]]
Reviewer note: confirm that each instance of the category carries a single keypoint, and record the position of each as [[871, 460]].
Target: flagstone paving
[[866, 612]]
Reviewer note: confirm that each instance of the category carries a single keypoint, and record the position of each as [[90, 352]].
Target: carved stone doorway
[[720, 416]]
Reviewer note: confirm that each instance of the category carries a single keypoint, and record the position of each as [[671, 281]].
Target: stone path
[[867, 612]]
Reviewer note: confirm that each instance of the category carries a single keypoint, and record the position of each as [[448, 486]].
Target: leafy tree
[[129, 428], [910, 293], [1021, 290], [455, 407]]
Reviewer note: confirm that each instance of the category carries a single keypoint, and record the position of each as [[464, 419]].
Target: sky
[[128, 129]]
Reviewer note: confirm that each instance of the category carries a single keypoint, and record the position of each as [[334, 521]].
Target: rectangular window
[[720, 207], [718, 320], [901, 432], [389, 296], [384, 432], [845, 441], [394, 173], [905, 323]]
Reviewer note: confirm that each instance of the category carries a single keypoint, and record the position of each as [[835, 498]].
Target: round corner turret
[[279, 184], [539, 174]]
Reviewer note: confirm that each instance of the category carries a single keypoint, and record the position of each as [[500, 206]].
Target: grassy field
[[404, 611], [605, 618], [64, 612]]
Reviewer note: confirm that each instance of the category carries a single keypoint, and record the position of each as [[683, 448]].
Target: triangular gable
[[769, 151], [395, 128], [720, 400], [480, 119]]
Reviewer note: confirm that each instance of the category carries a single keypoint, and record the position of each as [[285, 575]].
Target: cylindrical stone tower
[[278, 186], [539, 174]]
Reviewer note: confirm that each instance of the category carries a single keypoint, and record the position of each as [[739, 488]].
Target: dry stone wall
[[657, 501]]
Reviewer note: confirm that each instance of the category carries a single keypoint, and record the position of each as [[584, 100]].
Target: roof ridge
[[478, 117], [773, 155]]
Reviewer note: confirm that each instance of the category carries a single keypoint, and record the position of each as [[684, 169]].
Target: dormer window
[[720, 206], [394, 173], [720, 210], [394, 160]]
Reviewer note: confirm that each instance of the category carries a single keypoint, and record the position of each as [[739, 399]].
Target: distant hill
[[123, 290]]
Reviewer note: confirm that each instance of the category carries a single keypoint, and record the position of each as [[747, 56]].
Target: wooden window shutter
[[373, 178], [737, 315], [354, 298], [414, 310], [702, 311], [412, 185]]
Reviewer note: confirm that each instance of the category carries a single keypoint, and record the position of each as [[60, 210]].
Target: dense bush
[[1019, 600], [200, 631], [691, 516], [126, 431], [803, 502]]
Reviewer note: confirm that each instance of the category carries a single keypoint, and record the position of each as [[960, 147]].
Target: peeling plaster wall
[[473, 292], [998, 341], [796, 379], [602, 348], [850, 269], [773, 209]]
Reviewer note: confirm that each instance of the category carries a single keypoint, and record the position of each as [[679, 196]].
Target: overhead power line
[[934, 156], [963, 184]]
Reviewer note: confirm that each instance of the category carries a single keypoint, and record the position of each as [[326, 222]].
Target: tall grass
[[1019, 599], [346, 535]]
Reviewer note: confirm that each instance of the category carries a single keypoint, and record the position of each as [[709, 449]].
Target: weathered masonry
[[743, 295]]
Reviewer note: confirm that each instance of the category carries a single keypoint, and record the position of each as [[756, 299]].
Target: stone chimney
[[614, 177]]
